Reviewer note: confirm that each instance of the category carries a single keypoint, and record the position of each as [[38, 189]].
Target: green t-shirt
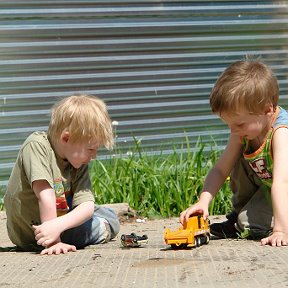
[[38, 161]]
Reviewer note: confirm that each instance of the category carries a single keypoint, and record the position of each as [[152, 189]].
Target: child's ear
[[65, 136], [269, 109]]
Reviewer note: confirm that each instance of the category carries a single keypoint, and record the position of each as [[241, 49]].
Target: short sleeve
[[36, 162]]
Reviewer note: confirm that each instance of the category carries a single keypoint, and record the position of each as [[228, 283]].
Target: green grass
[[158, 186], [2, 191]]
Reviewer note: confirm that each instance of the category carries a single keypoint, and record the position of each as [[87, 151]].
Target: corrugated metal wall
[[153, 62]]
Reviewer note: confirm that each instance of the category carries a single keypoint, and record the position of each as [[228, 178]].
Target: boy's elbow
[[90, 206], [87, 208]]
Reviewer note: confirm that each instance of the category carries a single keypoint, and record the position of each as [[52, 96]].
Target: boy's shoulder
[[38, 140], [39, 136]]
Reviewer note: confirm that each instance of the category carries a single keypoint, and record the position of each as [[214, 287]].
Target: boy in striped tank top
[[246, 97]]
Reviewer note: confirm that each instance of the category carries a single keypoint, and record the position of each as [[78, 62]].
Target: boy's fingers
[[42, 241], [35, 227], [43, 252], [58, 250], [38, 235], [264, 241], [71, 248], [182, 216], [205, 215], [39, 242], [47, 243]]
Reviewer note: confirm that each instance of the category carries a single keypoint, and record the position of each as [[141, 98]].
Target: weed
[[158, 185]]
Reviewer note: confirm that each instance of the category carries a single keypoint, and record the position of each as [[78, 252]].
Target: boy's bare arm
[[223, 166], [47, 208], [48, 233], [46, 200], [215, 178], [279, 191]]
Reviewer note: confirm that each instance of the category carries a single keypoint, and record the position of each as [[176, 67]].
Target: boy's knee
[[114, 225], [111, 217], [252, 227]]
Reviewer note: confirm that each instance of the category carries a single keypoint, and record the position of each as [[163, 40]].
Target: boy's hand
[[197, 208], [47, 233], [58, 248], [276, 239]]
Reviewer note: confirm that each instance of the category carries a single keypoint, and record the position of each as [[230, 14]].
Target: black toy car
[[132, 240]]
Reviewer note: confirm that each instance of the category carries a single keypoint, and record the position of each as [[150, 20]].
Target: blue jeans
[[91, 232]]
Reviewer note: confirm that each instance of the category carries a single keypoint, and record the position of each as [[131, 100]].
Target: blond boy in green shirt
[[49, 202]]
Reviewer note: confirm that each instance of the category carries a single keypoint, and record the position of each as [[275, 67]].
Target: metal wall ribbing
[[153, 62]]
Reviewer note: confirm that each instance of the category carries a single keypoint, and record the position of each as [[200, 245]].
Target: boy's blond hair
[[245, 85], [86, 119]]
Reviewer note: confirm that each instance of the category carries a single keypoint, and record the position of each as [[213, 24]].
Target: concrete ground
[[221, 263]]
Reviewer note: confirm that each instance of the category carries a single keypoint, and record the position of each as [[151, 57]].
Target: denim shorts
[[102, 227]]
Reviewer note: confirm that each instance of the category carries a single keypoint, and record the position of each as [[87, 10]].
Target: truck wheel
[[197, 241], [207, 238]]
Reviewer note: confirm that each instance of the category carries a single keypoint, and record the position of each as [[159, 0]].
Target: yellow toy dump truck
[[194, 233]]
